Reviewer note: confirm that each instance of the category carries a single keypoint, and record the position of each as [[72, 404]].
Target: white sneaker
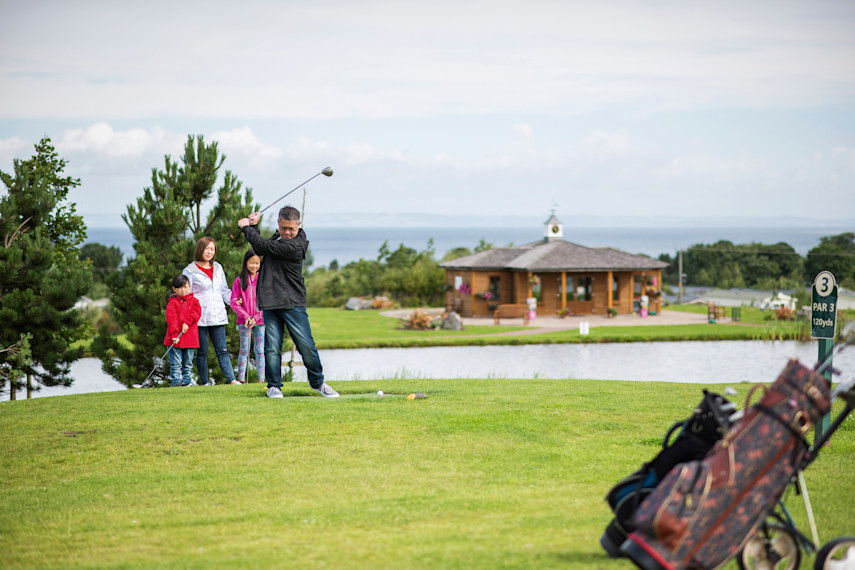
[[274, 392], [326, 391]]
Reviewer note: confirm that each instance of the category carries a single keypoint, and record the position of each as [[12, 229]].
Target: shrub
[[419, 320], [785, 314]]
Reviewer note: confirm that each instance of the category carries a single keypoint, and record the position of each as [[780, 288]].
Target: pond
[[726, 362]]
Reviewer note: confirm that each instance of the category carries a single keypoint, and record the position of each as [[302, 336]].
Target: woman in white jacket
[[208, 283]]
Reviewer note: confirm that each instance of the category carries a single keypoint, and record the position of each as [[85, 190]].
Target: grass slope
[[482, 474]]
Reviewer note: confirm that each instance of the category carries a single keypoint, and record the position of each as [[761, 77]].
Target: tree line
[[760, 266]]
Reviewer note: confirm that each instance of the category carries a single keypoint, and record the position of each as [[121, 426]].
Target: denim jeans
[[255, 336], [296, 321], [181, 366], [218, 339]]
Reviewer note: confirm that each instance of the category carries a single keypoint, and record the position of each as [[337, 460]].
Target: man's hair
[[200, 248], [289, 213], [179, 281]]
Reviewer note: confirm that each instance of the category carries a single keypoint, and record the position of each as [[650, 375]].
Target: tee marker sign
[[823, 307]]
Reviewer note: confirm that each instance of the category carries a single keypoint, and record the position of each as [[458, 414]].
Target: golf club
[[145, 383], [326, 172]]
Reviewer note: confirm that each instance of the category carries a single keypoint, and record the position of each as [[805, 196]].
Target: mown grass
[[483, 474]]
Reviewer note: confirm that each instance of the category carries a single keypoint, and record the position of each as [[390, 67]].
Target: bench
[[715, 313], [510, 312]]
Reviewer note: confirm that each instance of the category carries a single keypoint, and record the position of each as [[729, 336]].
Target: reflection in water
[[691, 362]]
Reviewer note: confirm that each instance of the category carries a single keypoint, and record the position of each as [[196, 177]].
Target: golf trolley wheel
[[773, 547], [837, 554]]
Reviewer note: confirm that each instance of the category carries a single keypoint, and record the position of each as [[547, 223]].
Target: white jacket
[[214, 296]]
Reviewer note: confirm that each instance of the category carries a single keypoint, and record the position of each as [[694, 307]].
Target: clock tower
[[553, 230]]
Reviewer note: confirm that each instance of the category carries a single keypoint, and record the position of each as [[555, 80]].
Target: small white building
[[777, 301]]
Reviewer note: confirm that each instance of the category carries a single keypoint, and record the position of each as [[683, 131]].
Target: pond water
[[725, 362]]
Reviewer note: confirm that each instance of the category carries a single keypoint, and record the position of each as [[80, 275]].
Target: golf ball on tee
[[379, 393]]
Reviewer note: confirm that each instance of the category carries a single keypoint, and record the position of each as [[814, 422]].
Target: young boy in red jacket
[[182, 332]]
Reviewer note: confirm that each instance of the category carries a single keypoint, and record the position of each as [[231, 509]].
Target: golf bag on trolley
[[702, 513], [696, 436]]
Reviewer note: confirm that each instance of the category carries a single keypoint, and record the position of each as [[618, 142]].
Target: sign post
[[823, 324]]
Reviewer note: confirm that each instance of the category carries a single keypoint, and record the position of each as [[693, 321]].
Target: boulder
[[358, 304], [452, 322]]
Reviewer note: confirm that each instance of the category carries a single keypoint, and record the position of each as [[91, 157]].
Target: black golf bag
[[696, 436]]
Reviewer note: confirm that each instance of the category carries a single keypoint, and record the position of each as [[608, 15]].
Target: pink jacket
[[248, 306]]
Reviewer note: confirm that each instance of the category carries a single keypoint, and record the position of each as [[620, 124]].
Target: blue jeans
[[296, 320], [181, 366], [257, 340], [218, 339]]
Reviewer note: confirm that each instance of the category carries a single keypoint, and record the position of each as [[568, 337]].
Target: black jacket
[[280, 279]]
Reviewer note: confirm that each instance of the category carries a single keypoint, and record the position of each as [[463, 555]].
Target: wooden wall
[[515, 287]]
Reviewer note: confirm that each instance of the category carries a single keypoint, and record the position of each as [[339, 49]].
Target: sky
[[655, 113]]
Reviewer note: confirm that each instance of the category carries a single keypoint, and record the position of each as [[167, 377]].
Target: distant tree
[[753, 265], [41, 275], [835, 254], [669, 274], [456, 253], [104, 260], [407, 276], [483, 246], [166, 223]]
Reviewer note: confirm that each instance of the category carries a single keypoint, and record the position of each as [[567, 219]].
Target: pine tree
[[166, 223], [41, 275]]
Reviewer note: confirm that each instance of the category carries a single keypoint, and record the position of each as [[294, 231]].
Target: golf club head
[[327, 171]]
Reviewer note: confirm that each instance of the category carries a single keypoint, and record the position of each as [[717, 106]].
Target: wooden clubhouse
[[563, 278]]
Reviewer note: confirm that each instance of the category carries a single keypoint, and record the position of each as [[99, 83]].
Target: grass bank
[[483, 474]]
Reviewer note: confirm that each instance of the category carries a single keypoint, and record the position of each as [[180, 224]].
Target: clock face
[[555, 229]]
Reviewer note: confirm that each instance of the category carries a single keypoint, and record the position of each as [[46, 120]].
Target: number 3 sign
[[823, 316]]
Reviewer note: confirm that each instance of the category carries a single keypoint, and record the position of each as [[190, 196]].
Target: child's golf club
[[145, 383]]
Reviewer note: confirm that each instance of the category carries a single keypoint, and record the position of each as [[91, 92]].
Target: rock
[[358, 304], [452, 322]]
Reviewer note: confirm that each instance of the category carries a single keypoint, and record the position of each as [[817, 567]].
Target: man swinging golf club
[[282, 298]]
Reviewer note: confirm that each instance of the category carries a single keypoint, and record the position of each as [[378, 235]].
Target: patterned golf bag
[[697, 434], [702, 513]]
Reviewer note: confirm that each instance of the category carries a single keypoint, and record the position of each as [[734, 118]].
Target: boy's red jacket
[[180, 310]]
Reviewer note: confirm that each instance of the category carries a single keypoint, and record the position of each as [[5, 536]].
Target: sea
[[347, 244]]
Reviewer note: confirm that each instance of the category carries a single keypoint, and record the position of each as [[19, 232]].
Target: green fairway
[[482, 474]]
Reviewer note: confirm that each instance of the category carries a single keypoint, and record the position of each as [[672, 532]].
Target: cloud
[[847, 154], [100, 138], [387, 59], [601, 146], [522, 133], [703, 164], [241, 141], [11, 148]]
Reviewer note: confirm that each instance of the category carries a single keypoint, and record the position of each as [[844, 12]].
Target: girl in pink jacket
[[250, 321]]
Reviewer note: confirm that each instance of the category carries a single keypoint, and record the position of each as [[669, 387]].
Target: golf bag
[[702, 513], [697, 434]]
